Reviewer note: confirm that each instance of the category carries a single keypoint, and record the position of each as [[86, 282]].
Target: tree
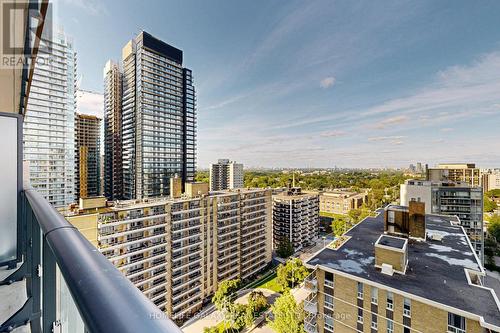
[[285, 248], [489, 205], [291, 274], [225, 294], [236, 316], [358, 214], [339, 226], [288, 316], [257, 301], [493, 193], [494, 227], [212, 329]]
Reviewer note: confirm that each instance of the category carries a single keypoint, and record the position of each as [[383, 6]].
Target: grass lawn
[[269, 283]]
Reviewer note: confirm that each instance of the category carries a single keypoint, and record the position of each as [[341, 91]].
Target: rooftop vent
[[435, 236], [387, 269]]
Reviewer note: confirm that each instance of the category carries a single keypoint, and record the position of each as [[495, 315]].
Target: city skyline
[[299, 86]]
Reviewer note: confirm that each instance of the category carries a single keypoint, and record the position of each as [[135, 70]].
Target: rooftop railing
[[70, 285]]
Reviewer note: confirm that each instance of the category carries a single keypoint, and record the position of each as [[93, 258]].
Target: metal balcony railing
[[64, 274]]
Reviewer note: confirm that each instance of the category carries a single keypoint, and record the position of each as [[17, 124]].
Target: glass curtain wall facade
[[159, 118], [49, 124]]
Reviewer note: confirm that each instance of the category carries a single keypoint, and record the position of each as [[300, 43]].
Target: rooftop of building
[[294, 193], [441, 183], [110, 206], [456, 166], [436, 269], [341, 193]]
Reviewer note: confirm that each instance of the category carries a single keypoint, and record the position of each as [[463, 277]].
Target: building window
[[374, 295], [360, 290], [329, 301], [390, 326], [456, 323], [329, 279], [360, 315], [329, 323], [391, 217], [390, 301], [374, 321], [406, 329], [407, 307]]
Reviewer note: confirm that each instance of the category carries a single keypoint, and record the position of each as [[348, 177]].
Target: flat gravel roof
[[435, 268]]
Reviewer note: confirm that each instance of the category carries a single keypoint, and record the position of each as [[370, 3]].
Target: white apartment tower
[[49, 125], [295, 218], [226, 175]]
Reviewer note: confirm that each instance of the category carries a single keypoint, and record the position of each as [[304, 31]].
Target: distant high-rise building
[[450, 198], [49, 125], [295, 218], [88, 156], [158, 118], [113, 168], [455, 172], [225, 175], [490, 180], [419, 168]]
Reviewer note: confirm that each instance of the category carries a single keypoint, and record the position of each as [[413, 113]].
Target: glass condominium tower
[[113, 176], [158, 118], [49, 124]]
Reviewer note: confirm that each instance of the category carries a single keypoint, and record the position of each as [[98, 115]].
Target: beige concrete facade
[[340, 202], [177, 250], [423, 317]]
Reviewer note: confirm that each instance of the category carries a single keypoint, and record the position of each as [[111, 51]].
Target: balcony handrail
[[106, 300]]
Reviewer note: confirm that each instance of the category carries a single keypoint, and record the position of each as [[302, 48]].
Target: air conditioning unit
[[387, 269], [435, 236]]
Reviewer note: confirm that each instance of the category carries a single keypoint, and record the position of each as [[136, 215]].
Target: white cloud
[[327, 82], [386, 138], [391, 121], [91, 103], [333, 134]]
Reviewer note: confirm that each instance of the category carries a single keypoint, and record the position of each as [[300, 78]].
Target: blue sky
[[318, 83]]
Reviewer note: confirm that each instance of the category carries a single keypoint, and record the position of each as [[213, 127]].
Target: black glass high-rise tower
[[158, 118]]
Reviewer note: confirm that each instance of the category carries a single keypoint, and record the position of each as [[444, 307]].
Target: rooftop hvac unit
[[387, 269], [435, 236]]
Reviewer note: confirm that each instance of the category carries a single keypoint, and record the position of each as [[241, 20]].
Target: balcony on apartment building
[[52, 279]]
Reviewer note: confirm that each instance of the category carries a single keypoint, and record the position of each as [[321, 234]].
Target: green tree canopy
[[494, 227], [291, 274], [493, 193], [225, 294], [339, 225], [285, 248], [489, 205], [288, 316]]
